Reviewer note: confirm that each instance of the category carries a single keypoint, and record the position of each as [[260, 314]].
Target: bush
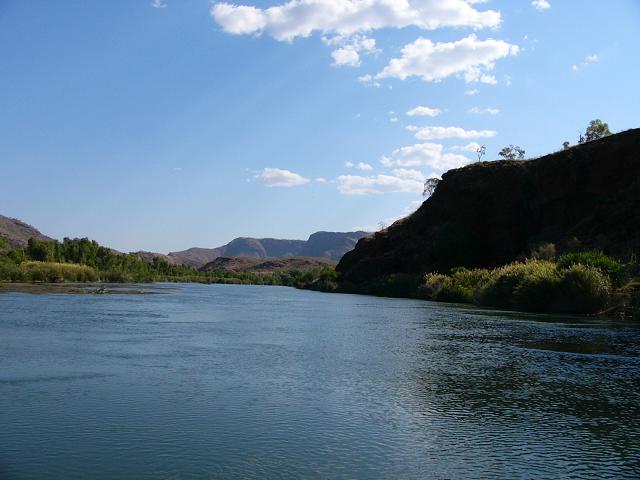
[[57, 272], [582, 289], [523, 286], [596, 259]]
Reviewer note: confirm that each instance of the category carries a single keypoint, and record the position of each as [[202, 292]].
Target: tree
[[481, 151], [566, 144], [596, 129], [512, 152], [430, 186]]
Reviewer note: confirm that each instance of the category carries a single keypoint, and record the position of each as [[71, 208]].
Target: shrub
[[582, 289], [57, 272], [519, 286], [596, 259]]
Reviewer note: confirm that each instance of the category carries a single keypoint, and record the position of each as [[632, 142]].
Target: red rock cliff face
[[491, 213]]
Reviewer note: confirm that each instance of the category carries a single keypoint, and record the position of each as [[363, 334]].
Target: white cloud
[[158, 4], [409, 173], [321, 180], [394, 119], [589, 60], [441, 133], [540, 4], [469, 147], [346, 56], [469, 57], [276, 177], [471, 92], [424, 154], [478, 110], [424, 112], [301, 18], [361, 185], [349, 54], [360, 166]]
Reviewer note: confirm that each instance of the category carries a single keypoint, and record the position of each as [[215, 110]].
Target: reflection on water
[[255, 382]]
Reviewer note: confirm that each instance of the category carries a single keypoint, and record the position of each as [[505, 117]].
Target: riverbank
[[579, 283]]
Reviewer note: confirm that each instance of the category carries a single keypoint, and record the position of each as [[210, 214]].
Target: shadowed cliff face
[[491, 213]]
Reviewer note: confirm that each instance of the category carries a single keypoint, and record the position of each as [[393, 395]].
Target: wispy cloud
[[479, 111], [589, 60], [441, 133], [158, 4], [360, 166], [540, 4], [376, 184]]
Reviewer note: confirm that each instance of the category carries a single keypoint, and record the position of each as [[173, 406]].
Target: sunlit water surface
[[271, 382]]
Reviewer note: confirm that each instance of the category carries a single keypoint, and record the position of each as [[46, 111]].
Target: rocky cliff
[[491, 213]]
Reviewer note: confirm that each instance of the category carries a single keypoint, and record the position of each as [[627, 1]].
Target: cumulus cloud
[[384, 183], [424, 154], [469, 58], [540, 4], [441, 133], [360, 166], [301, 18], [424, 112], [348, 55], [276, 177]]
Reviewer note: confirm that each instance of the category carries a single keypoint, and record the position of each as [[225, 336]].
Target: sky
[[166, 124]]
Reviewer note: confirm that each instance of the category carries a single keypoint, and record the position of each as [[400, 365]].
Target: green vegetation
[[582, 282], [595, 130], [83, 260], [512, 152]]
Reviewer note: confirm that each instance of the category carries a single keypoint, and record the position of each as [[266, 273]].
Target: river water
[[222, 381]]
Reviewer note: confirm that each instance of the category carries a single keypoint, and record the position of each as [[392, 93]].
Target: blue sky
[[164, 125]]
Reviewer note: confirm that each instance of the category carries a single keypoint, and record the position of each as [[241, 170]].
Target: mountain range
[[327, 245]]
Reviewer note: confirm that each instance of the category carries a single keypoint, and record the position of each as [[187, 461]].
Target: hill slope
[[491, 213], [18, 233], [329, 245], [266, 265]]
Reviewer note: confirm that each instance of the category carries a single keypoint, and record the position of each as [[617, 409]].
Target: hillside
[[266, 265], [329, 245], [491, 213], [18, 233]]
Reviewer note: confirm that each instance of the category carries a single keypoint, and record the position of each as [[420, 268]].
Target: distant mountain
[[149, 256], [18, 233], [267, 265], [329, 245]]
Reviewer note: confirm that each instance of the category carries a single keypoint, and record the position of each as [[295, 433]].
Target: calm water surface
[[269, 382]]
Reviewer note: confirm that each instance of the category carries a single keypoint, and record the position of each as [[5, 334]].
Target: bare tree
[[566, 144], [481, 152]]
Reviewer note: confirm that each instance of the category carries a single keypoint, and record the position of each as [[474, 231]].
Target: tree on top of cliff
[[596, 129], [512, 152]]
